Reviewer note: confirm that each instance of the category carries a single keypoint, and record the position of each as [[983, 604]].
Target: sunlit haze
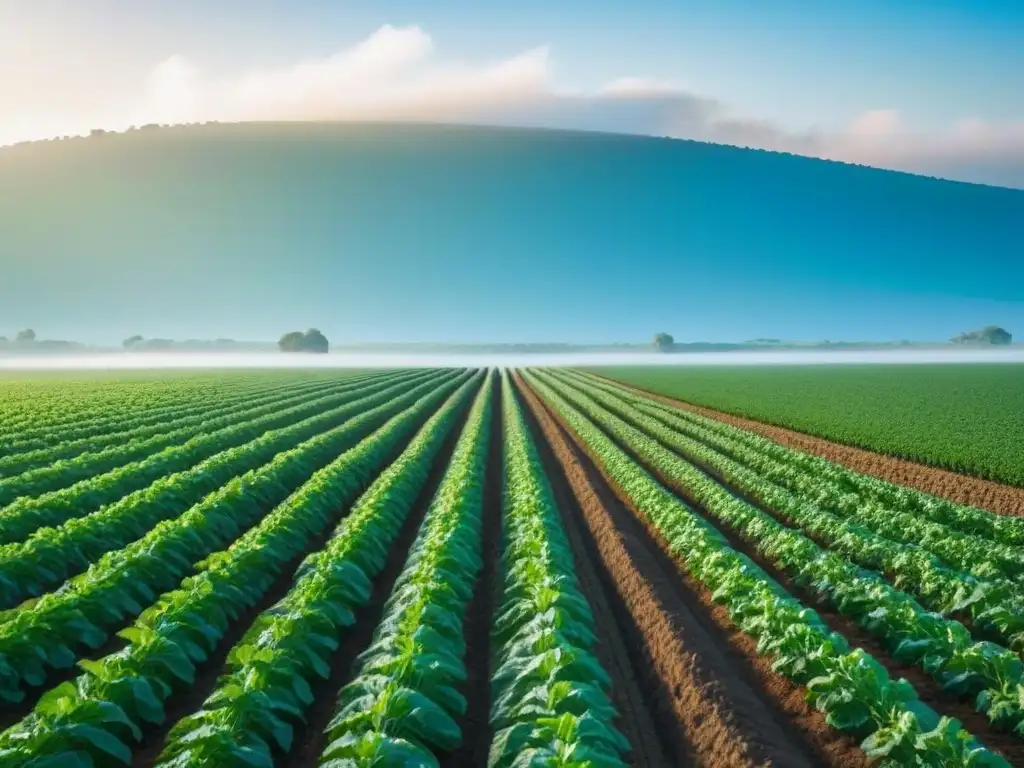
[[384, 360]]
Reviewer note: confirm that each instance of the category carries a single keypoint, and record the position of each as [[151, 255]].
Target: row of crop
[[959, 417], [50, 632], [110, 418], [1000, 528], [980, 582], [201, 415], [42, 406], [272, 669], [945, 648], [550, 694], [850, 687], [24, 517], [64, 473], [974, 554], [50, 555], [981, 558], [183, 627], [993, 675], [84, 413], [404, 700]]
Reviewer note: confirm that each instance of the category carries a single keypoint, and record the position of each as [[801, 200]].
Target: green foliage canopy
[[664, 341], [310, 341]]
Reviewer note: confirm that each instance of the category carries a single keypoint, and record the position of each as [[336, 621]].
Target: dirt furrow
[[709, 689], [475, 725], [960, 488], [310, 738], [927, 688]]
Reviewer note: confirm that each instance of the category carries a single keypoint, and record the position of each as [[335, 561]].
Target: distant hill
[[411, 232]]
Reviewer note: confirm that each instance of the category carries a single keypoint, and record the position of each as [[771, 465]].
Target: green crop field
[[969, 418], [459, 567]]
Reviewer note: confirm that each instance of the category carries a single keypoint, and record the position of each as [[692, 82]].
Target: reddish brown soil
[[709, 689], [963, 489], [927, 688], [475, 725], [309, 737]]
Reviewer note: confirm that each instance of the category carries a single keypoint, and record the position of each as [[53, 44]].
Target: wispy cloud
[[397, 74], [392, 75]]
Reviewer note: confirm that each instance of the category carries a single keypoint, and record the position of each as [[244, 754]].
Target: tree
[[291, 342], [310, 341], [990, 334], [314, 341], [26, 336], [131, 341], [664, 342]]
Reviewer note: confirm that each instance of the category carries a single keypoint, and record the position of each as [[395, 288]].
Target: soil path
[[962, 489], [708, 688]]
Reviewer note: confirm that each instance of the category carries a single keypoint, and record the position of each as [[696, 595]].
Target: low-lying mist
[[133, 361]]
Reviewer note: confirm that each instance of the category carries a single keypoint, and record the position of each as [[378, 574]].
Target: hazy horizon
[[239, 360]]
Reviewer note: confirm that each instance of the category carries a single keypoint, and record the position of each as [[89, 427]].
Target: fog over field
[[115, 361]]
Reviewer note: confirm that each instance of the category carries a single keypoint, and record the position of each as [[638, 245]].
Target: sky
[[927, 86]]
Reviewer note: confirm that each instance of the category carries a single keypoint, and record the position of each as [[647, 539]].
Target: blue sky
[[930, 87]]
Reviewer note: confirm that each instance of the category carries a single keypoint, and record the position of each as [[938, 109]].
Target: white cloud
[[392, 75], [173, 91], [397, 74], [970, 149], [638, 87], [876, 122]]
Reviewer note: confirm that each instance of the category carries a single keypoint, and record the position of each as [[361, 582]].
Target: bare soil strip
[[475, 725], [962, 489], [708, 687], [310, 740], [961, 708]]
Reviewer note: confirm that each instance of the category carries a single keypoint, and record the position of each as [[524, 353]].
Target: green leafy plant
[[943, 647], [287, 648], [102, 602], [550, 694], [849, 687], [138, 463]]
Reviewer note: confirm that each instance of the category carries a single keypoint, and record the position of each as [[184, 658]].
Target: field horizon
[[167, 360]]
